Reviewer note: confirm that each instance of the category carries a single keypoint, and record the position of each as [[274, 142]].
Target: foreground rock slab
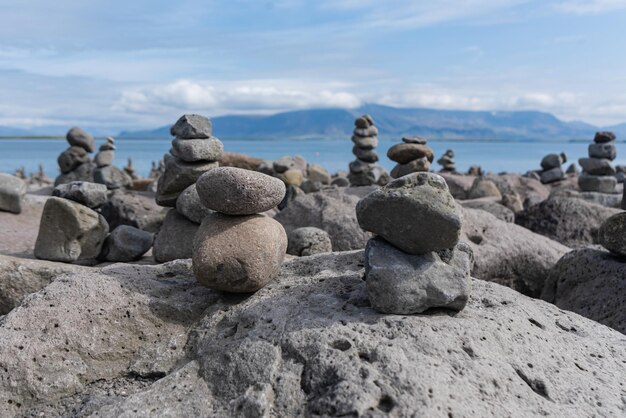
[[307, 345]]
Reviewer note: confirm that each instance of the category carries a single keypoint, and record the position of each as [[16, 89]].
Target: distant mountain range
[[392, 123]]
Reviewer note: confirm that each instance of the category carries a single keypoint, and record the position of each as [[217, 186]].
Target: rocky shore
[[226, 285]]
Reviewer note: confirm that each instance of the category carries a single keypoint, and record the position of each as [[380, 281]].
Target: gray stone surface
[[605, 150], [12, 191], [405, 153], [612, 234], [459, 185], [570, 221], [126, 243], [590, 282], [400, 283], [415, 166], [71, 158], [92, 195], [317, 173], [603, 199], [601, 184], [238, 253], [112, 177], [483, 187], [366, 155], [530, 191], [370, 131], [307, 241], [192, 150], [552, 175], [136, 209], [414, 140], [177, 177], [492, 206], [83, 172], [308, 345], [235, 191], [365, 142], [189, 205], [332, 210], [192, 127], [175, 238], [416, 213], [597, 166], [69, 231], [551, 161], [104, 158], [79, 138]]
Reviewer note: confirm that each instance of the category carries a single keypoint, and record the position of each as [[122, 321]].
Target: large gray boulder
[[509, 254], [590, 282], [333, 210], [136, 209], [69, 231], [149, 341], [570, 221], [175, 238], [12, 191]]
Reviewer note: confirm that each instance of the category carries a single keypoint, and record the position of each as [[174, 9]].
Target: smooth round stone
[[414, 140], [604, 150], [365, 142], [192, 127], [126, 243], [370, 131], [415, 166], [104, 158], [189, 205], [235, 191], [72, 158], [612, 234], [597, 166], [416, 213], [307, 241], [77, 137], [604, 136], [238, 253], [405, 153], [192, 150], [367, 155]]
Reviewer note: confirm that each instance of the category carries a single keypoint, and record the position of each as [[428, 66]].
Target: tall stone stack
[[363, 170], [74, 162], [416, 261], [598, 174], [411, 156], [194, 152], [447, 162], [236, 248]]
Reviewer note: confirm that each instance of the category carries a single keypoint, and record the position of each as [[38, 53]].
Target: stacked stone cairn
[[74, 162], [364, 171], [598, 174], [236, 249], [416, 261], [447, 162], [194, 152], [412, 156], [105, 172], [551, 170]]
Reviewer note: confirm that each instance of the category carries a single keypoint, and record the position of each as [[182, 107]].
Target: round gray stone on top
[[77, 137], [236, 191], [192, 127], [604, 136], [416, 213], [92, 195], [191, 150]]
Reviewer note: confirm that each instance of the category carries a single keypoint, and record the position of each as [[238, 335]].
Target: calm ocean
[[495, 156]]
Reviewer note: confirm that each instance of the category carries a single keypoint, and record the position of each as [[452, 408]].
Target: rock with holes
[[401, 283], [69, 231], [415, 213], [612, 234], [308, 241]]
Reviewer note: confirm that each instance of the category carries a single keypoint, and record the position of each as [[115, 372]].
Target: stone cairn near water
[[447, 162], [194, 152], [551, 170], [598, 174], [236, 249], [74, 162], [364, 171], [416, 261], [411, 156], [105, 172]]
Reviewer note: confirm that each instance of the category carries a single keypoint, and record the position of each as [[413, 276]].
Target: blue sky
[[141, 63]]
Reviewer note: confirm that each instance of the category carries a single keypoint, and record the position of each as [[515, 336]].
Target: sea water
[[334, 154]]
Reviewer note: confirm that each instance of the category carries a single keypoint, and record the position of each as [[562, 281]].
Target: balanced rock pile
[[364, 171], [194, 152], [551, 170], [105, 172], [416, 262], [447, 162], [411, 156], [74, 162], [236, 249], [598, 173]]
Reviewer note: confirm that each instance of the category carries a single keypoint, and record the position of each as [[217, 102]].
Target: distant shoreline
[[32, 137]]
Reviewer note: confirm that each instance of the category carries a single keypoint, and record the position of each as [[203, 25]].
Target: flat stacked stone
[[363, 170], [598, 174], [411, 156], [236, 249], [447, 162], [416, 261], [194, 152], [74, 162], [551, 170]]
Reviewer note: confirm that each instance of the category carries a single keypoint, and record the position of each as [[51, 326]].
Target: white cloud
[[583, 7]]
